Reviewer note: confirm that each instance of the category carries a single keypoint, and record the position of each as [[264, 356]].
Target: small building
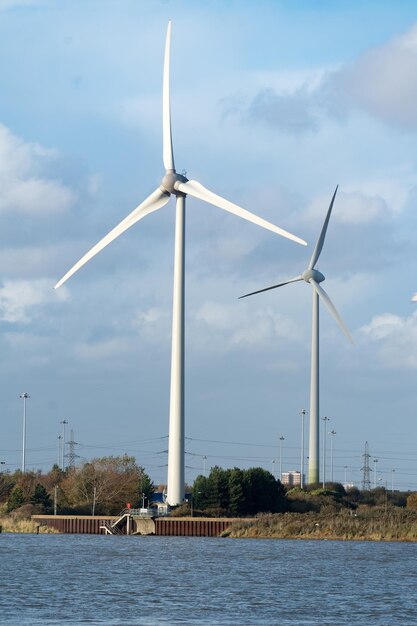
[[292, 478]]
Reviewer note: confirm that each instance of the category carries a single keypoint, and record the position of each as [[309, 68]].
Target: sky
[[274, 103]]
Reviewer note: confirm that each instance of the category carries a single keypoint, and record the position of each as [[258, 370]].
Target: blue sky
[[273, 104]]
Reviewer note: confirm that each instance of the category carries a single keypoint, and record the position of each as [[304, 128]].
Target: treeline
[[103, 486], [238, 492]]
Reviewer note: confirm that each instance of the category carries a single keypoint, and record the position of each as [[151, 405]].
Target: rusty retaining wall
[[164, 526], [192, 527], [76, 524]]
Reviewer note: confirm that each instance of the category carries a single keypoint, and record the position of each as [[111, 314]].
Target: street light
[[281, 439], [59, 449], [302, 413], [332, 434], [325, 420], [63, 422], [345, 467], [204, 465], [375, 472], [392, 480], [24, 397]]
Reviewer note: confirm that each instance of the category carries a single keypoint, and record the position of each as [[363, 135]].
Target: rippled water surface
[[87, 579]]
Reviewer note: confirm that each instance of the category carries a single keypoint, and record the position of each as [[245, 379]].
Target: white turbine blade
[[330, 307], [414, 298], [195, 189], [168, 155], [287, 282], [155, 201], [320, 241]]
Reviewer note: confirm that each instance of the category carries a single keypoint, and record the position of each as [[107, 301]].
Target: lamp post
[[63, 422], [392, 480], [59, 450], [345, 468], [375, 472], [325, 420], [281, 439], [24, 397], [303, 414], [204, 465], [332, 434]]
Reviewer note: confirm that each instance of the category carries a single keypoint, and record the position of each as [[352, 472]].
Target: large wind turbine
[[314, 277], [179, 186]]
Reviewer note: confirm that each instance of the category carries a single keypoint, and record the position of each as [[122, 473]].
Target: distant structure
[[71, 456], [292, 478], [366, 481], [312, 276]]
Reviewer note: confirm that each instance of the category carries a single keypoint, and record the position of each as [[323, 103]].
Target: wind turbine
[[179, 186], [314, 277]]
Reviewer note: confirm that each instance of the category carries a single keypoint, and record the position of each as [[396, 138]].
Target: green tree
[[16, 499], [237, 501], [41, 498]]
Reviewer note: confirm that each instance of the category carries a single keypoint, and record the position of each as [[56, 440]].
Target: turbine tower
[[314, 277], [179, 186]]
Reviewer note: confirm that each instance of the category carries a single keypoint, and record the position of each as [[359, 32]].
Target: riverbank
[[367, 524]]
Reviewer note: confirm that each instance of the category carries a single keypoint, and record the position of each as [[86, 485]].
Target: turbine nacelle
[[312, 275], [171, 182]]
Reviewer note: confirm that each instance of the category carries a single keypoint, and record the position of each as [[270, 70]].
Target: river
[[98, 580]]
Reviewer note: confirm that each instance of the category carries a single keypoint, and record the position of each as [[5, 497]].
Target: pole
[[332, 433], [325, 420], [273, 468], [175, 483], [313, 453], [63, 422], [375, 472], [281, 439], [302, 413], [55, 499], [59, 450], [94, 500], [204, 465], [392, 480], [345, 475], [24, 397]]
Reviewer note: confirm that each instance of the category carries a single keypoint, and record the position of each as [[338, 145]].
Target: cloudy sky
[[273, 104]]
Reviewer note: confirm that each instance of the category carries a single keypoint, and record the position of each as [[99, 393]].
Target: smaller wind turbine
[[314, 277]]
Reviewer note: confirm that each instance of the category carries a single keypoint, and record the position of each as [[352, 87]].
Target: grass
[[11, 525], [368, 524]]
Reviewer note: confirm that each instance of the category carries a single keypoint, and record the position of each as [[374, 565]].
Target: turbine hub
[[312, 274], [171, 180]]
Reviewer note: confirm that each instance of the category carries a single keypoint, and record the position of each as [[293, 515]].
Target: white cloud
[[352, 208], [24, 186], [394, 338], [18, 297], [227, 327], [381, 82]]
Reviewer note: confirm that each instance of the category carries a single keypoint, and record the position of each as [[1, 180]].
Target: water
[[97, 580]]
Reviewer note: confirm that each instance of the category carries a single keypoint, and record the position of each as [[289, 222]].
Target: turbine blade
[[320, 241], [155, 201], [330, 307], [287, 282], [195, 189], [168, 155]]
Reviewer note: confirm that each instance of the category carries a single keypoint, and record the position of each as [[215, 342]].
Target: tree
[[16, 499], [40, 497], [237, 501], [106, 485], [263, 493], [412, 501]]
